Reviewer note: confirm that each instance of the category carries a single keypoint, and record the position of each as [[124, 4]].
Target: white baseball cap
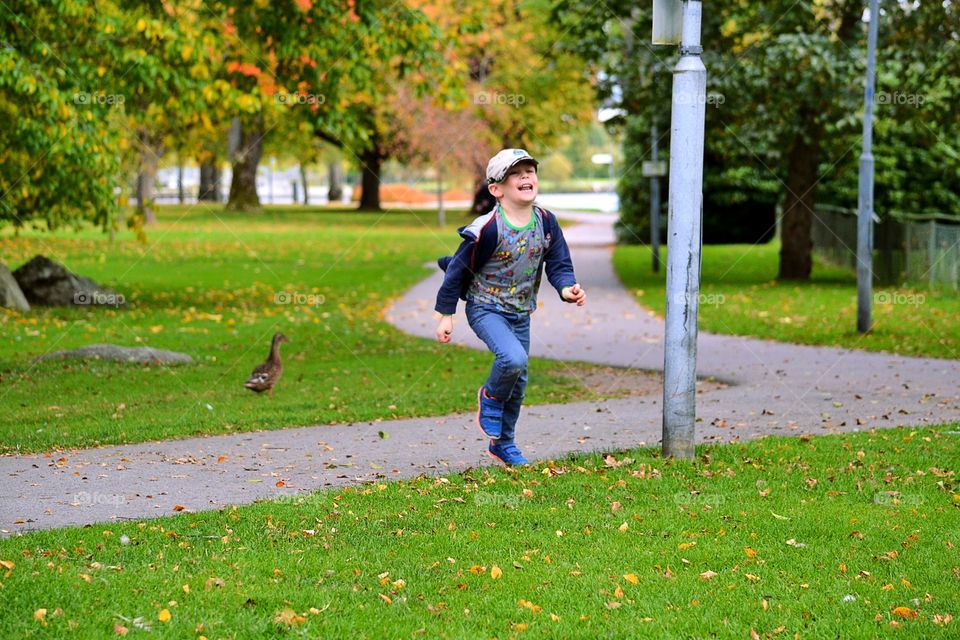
[[501, 163]]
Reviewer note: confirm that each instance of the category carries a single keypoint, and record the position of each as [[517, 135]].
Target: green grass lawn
[[844, 536], [740, 296], [207, 282]]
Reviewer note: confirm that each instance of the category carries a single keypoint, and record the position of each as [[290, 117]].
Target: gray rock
[[11, 296], [48, 283], [138, 355]]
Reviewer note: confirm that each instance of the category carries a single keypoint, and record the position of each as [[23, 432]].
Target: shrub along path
[[774, 388]]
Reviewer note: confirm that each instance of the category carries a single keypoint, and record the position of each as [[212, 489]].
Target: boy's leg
[[510, 354], [511, 408]]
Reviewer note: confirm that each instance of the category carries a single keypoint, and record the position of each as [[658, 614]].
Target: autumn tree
[[431, 136], [56, 115], [524, 87]]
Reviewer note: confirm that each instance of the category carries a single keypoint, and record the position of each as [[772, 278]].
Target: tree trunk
[[796, 246], [335, 178], [303, 181], [243, 186], [181, 196], [209, 182], [370, 163], [147, 175]]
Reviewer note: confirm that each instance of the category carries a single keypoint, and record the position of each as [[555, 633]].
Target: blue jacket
[[480, 241]]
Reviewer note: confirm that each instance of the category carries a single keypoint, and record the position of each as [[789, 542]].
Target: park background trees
[[94, 94], [215, 80], [785, 83]]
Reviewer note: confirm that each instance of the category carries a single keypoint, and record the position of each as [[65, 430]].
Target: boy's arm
[[457, 270], [559, 267]]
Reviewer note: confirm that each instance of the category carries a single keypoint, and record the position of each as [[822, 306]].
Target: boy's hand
[[445, 329], [575, 294]]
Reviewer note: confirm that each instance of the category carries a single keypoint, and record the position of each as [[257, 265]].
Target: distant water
[[284, 187], [606, 201]]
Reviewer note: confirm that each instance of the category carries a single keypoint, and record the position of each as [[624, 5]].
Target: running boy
[[497, 270]]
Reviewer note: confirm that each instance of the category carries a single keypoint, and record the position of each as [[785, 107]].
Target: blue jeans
[[507, 335]]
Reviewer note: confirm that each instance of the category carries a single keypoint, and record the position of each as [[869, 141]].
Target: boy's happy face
[[519, 186]]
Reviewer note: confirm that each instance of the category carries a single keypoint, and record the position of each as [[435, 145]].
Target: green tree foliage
[[917, 123], [57, 115]]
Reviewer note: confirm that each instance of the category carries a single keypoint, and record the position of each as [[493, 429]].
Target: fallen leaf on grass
[[164, 615], [120, 630], [750, 552], [212, 582], [496, 572], [904, 612], [708, 575], [289, 617], [631, 578], [40, 615], [526, 604]]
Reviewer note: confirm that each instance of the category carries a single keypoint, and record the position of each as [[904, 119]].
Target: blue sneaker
[[489, 414], [507, 453]]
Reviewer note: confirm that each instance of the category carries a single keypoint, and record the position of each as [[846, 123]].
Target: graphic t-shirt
[[510, 278]]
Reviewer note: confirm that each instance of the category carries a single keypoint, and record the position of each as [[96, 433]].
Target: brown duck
[[267, 374]]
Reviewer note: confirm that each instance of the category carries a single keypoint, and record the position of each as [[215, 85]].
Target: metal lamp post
[[684, 225], [865, 212]]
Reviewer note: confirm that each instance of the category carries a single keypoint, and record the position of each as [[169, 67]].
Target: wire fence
[[908, 248]]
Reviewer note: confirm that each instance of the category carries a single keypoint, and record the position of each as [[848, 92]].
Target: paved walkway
[[774, 389]]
